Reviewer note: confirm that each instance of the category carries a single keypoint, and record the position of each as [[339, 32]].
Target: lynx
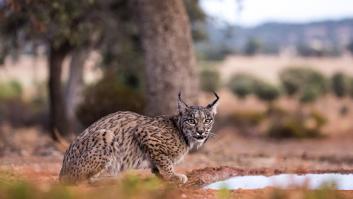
[[127, 140]]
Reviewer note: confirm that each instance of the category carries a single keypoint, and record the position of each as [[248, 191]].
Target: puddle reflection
[[312, 181]]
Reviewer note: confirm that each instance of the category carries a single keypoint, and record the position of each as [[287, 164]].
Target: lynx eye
[[191, 121], [208, 121]]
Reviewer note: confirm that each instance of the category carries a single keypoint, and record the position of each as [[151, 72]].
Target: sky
[[255, 12]]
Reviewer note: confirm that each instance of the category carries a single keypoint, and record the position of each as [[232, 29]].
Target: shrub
[[308, 95], [22, 112], [266, 92], [303, 82], [107, 96], [250, 118], [210, 80], [11, 89], [246, 121], [340, 84], [296, 126], [350, 90], [242, 85]]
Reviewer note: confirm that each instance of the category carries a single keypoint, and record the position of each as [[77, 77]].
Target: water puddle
[[311, 181]]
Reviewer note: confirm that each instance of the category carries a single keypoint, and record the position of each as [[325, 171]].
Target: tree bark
[[74, 87], [58, 116], [169, 57]]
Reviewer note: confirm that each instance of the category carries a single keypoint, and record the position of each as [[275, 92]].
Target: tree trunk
[[74, 88], [58, 117], [169, 58]]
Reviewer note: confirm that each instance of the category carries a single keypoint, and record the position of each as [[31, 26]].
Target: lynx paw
[[181, 178]]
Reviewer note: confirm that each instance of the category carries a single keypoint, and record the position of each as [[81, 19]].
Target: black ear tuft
[[182, 106], [214, 102], [213, 105]]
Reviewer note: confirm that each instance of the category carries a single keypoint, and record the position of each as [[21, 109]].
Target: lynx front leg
[[155, 171], [163, 167]]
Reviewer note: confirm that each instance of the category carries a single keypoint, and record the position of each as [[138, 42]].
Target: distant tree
[[252, 47], [309, 94], [197, 19], [242, 85], [267, 92], [350, 47], [340, 84], [295, 81]]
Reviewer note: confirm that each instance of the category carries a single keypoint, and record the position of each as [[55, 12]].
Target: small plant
[[223, 193], [210, 80], [242, 85]]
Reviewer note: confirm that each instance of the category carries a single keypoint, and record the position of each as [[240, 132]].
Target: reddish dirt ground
[[225, 155]]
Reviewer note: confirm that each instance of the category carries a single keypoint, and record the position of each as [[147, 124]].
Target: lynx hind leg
[[92, 163]]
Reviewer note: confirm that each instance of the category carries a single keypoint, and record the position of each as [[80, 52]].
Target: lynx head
[[196, 122]]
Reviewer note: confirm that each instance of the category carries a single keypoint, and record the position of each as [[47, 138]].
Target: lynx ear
[[182, 106], [213, 106]]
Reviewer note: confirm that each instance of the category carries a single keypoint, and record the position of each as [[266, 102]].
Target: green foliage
[[22, 190], [223, 194], [10, 90], [19, 111], [350, 91], [212, 53], [340, 84], [326, 191], [54, 21], [130, 186], [135, 187], [107, 96], [297, 125], [306, 83], [308, 95], [197, 18], [266, 91], [242, 85], [210, 80]]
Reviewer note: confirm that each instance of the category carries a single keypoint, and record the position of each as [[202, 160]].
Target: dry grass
[[268, 67]]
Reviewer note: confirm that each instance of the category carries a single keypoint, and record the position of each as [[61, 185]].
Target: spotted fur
[[127, 140]]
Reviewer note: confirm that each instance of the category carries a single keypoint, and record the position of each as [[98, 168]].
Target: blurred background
[[283, 70]]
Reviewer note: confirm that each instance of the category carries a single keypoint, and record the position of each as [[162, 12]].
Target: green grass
[[130, 186], [136, 187]]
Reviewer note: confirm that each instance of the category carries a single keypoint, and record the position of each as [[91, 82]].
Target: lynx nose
[[199, 132]]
